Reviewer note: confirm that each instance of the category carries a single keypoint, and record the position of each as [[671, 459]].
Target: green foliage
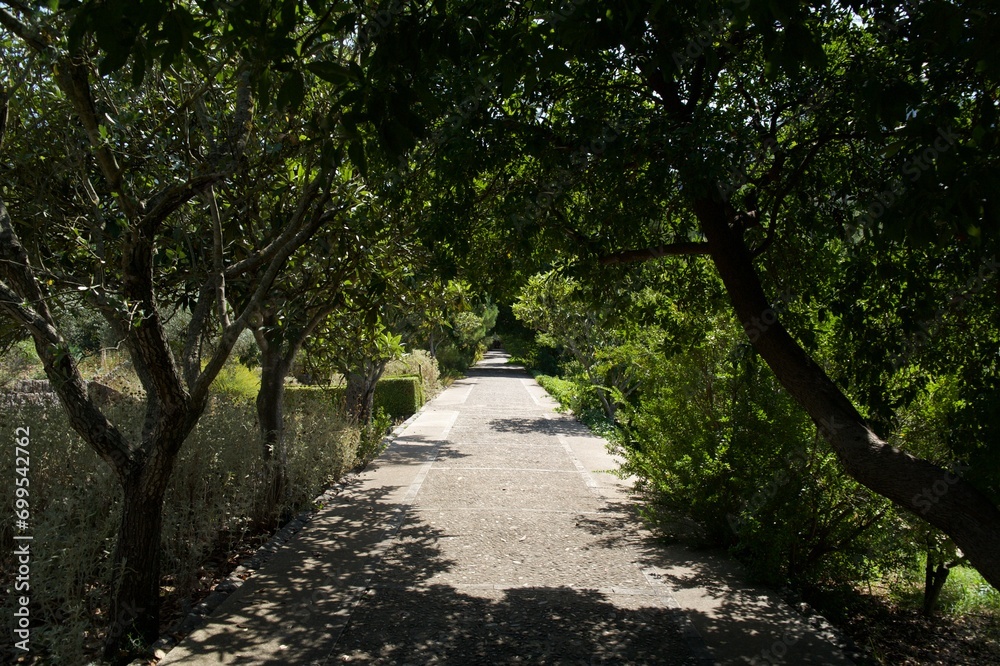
[[399, 397], [20, 362], [719, 445], [348, 343], [246, 350], [85, 330], [525, 350], [591, 334], [421, 364], [469, 329], [453, 360], [563, 390], [965, 591], [237, 382], [313, 399], [372, 440], [468, 332]]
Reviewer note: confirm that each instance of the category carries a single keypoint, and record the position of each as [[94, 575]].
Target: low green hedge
[[400, 397]]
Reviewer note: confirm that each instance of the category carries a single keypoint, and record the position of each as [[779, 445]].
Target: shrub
[[453, 360], [400, 397], [372, 438], [75, 503], [564, 391], [237, 382], [524, 350], [715, 440], [419, 363]]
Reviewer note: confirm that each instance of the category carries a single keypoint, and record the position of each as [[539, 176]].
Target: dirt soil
[[896, 636]]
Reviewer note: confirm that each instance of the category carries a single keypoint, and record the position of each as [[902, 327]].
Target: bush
[[452, 360], [400, 397], [75, 504], [372, 439], [421, 364], [237, 382], [718, 443], [564, 391], [525, 351]]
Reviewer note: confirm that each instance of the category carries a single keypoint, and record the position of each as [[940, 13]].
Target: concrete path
[[490, 533]]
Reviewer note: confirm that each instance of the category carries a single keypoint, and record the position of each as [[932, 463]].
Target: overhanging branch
[[673, 249]]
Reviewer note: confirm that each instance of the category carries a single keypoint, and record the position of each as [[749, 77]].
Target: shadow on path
[[497, 371], [534, 625], [538, 426]]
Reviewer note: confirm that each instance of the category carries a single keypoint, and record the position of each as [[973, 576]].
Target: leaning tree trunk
[[943, 499], [270, 414]]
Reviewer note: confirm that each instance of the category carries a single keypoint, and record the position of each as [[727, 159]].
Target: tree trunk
[[360, 393], [270, 415], [934, 579], [940, 497], [135, 606]]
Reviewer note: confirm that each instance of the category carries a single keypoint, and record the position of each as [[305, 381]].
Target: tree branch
[[22, 299], [4, 109], [73, 78], [162, 204], [299, 231], [674, 249], [191, 361], [218, 265], [29, 36]]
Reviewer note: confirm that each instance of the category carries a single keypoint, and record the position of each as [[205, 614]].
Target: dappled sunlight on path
[[490, 532]]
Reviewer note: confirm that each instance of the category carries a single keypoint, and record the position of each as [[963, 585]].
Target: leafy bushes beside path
[[398, 397], [418, 363], [75, 506]]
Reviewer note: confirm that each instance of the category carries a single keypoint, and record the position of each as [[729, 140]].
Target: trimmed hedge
[[400, 397]]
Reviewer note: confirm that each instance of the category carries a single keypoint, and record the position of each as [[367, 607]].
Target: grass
[[965, 592], [885, 619]]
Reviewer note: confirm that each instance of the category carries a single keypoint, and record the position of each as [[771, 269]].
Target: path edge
[[199, 614]]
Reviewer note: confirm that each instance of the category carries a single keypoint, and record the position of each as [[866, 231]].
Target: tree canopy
[[831, 165]]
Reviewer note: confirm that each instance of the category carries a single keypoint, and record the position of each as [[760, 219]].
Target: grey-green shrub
[[421, 364], [75, 504]]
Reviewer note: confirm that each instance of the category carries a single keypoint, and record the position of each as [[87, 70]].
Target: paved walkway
[[489, 533]]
